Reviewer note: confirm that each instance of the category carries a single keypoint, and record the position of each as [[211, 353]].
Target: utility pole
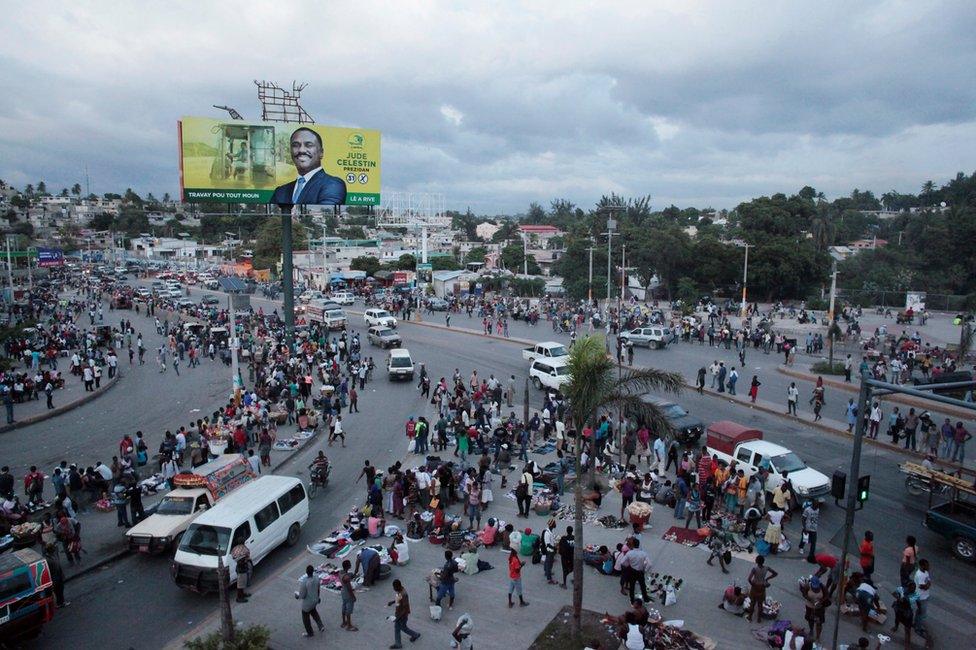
[[830, 316], [589, 294], [745, 278], [10, 272], [864, 398], [525, 254], [287, 277], [30, 277], [235, 345], [223, 592]]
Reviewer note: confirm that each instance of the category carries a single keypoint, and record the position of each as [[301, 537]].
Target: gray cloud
[[499, 104]]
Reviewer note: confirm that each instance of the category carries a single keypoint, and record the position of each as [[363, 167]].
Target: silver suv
[[384, 337], [653, 336]]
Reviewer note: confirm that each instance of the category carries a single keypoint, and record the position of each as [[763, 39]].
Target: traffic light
[[838, 486], [863, 487]]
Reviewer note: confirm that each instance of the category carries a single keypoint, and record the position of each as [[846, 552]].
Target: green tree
[[513, 257], [41, 188], [367, 263], [267, 244], [76, 189], [101, 221], [536, 214], [406, 262], [476, 254], [597, 387], [444, 264]]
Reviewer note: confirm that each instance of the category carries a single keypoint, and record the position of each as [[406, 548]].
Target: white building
[[486, 230]]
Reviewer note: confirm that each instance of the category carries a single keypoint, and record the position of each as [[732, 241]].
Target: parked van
[[262, 514]]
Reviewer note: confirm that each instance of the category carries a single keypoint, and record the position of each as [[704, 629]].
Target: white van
[[261, 514]]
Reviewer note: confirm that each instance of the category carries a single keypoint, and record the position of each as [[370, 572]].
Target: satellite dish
[[943, 204]]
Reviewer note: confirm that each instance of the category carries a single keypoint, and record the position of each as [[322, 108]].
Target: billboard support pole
[[287, 277]]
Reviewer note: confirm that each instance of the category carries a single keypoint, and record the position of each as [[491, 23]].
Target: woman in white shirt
[[774, 531]]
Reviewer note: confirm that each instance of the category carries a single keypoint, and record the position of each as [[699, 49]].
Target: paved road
[[108, 596]]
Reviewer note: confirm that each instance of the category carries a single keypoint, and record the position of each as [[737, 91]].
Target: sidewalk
[[483, 595], [71, 396]]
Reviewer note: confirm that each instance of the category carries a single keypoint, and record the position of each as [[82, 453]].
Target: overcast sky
[[500, 103]]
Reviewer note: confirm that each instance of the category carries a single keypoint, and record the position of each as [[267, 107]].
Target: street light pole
[[525, 254], [830, 315], [745, 278], [10, 273], [589, 295]]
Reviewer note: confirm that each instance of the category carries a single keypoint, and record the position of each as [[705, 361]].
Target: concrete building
[[171, 248], [486, 230]]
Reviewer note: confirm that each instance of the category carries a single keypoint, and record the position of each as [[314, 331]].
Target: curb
[[907, 400], [124, 552], [40, 417]]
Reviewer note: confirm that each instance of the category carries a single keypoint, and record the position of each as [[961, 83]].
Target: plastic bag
[[670, 596], [435, 612], [412, 445]]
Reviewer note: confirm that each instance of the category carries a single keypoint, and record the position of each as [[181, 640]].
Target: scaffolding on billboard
[[412, 210], [280, 105]]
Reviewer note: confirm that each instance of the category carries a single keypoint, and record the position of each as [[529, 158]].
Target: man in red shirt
[[705, 467], [515, 578]]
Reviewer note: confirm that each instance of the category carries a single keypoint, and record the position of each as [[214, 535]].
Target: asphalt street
[[133, 603]]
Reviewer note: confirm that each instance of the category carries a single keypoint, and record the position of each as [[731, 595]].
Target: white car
[[399, 365], [343, 298], [550, 373], [379, 317]]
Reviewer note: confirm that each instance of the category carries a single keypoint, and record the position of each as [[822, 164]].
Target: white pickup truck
[[195, 492], [545, 350], [730, 442]]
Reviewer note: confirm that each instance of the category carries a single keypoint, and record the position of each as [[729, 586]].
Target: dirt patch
[[558, 634]]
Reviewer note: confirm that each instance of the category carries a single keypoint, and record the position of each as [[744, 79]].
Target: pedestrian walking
[[851, 415], [49, 393], [447, 580], [754, 389], [759, 578], [566, 549], [811, 523], [348, 597], [549, 547], [400, 615], [515, 578], [700, 383], [308, 593]]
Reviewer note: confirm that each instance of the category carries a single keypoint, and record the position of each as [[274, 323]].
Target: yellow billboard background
[[243, 162]]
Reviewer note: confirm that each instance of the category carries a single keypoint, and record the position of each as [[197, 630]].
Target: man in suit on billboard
[[313, 186]]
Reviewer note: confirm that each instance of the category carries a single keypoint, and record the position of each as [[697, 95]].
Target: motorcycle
[[318, 478]]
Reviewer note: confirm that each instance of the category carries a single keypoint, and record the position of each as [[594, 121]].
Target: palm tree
[[928, 189], [595, 386], [76, 189]]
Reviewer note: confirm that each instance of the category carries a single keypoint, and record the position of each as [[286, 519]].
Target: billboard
[[231, 161], [50, 257]]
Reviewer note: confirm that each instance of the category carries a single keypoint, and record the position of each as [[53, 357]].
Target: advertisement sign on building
[[50, 257], [230, 161]]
